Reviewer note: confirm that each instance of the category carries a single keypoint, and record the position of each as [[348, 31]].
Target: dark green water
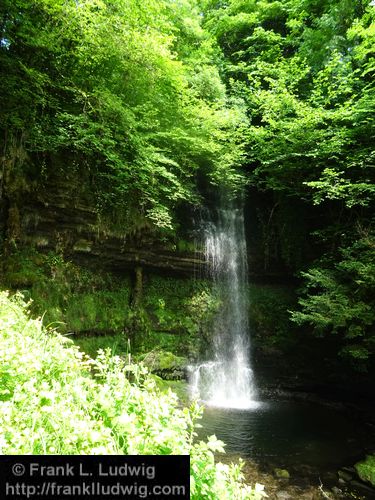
[[289, 433]]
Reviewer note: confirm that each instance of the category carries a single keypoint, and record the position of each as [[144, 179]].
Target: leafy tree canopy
[[129, 90]]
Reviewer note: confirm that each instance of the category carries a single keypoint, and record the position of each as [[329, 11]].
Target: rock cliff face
[[61, 214], [63, 217]]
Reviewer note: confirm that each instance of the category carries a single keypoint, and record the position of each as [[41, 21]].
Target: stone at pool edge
[[337, 491], [360, 476], [283, 495], [363, 488], [281, 474], [165, 364], [345, 475]]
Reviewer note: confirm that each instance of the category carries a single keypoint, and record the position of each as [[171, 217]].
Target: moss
[[69, 297], [185, 246], [179, 387], [13, 225], [22, 269], [173, 315], [159, 361], [166, 340], [281, 473], [366, 469], [181, 312]]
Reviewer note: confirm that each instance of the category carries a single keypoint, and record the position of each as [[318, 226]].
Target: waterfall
[[227, 380]]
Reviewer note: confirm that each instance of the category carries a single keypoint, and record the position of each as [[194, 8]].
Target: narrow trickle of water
[[227, 380]]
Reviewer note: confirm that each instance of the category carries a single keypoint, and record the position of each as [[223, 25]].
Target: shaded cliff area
[[61, 215]]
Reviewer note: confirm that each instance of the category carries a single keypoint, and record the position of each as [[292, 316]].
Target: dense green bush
[[54, 400], [339, 299]]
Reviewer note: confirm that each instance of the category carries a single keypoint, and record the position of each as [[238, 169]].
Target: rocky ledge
[[62, 218]]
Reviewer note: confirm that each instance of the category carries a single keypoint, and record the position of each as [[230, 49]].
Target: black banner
[[94, 477]]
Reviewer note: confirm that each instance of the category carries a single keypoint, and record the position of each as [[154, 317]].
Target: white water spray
[[227, 380]]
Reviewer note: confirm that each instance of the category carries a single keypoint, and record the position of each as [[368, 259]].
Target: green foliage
[[69, 297], [302, 69], [366, 469], [304, 72], [333, 186], [181, 312], [91, 344], [175, 314], [221, 481], [340, 299], [130, 90], [54, 400]]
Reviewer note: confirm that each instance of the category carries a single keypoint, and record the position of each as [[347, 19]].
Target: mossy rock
[[281, 473], [366, 469], [165, 364], [179, 387]]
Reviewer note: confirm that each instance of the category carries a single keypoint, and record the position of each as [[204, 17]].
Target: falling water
[[227, 380]]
